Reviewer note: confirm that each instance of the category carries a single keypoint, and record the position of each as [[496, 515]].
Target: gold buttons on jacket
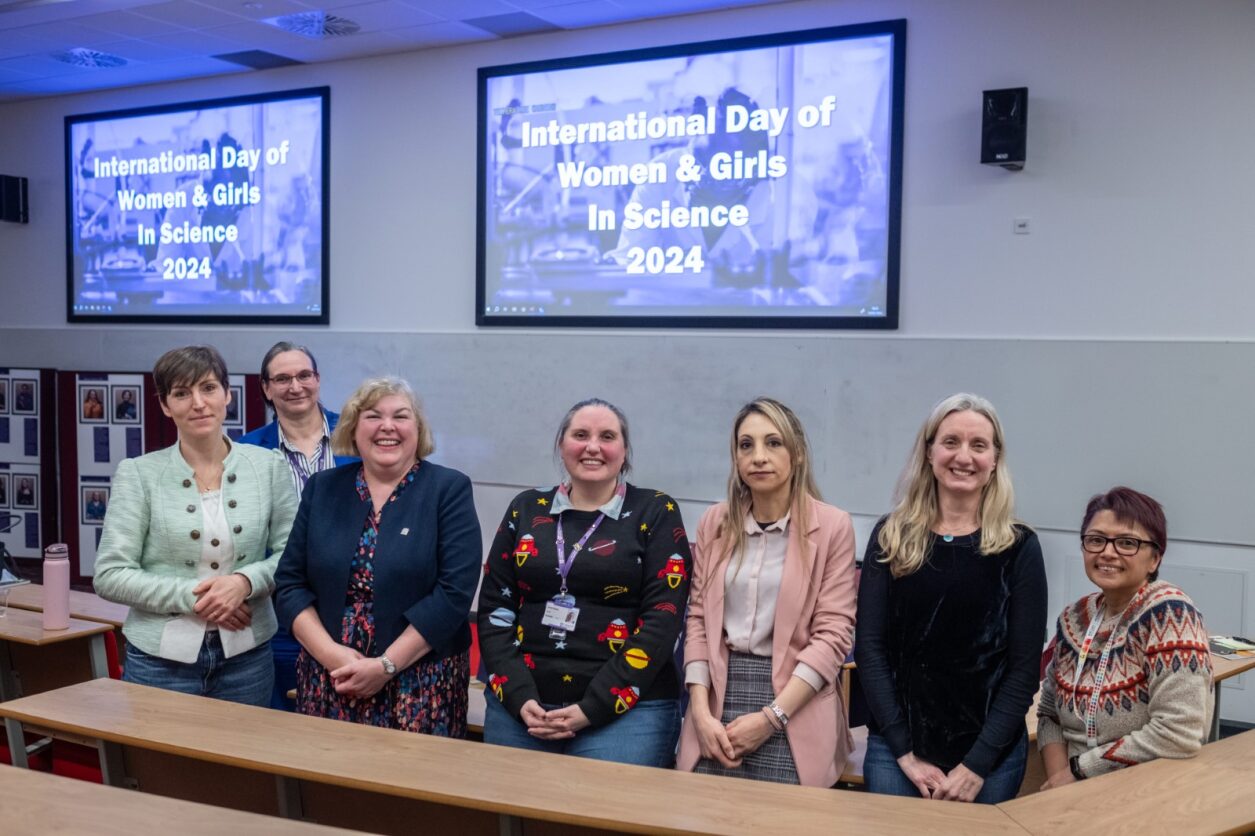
[[191, 509], [187, 483], [231, 503], [231, 477], [237, 529], [214, 542], [195, 534], [213, 565]]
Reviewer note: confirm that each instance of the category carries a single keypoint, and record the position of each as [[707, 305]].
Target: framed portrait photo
[[91, 403], [4, 396], [93, 502], [24, 490], [125, 405], [25, 396], [4, 490], [235, 409]]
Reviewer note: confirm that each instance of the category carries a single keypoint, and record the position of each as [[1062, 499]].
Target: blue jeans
[[285, 650], [884, 776], [247, 678], [645, 736]]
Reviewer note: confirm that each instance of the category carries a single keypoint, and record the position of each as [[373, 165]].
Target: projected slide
[[205, 211], [749, 182]]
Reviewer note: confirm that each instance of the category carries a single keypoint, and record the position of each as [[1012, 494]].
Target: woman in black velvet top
[[951, 618]]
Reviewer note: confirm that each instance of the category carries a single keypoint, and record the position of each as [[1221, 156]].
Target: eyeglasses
[[1127, 546], [304, 378]]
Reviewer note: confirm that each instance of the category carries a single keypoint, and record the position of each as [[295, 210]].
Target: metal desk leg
[[100, 661], [289, 789], [112, 766], [17, 742], [9, 689], [1214, 734]]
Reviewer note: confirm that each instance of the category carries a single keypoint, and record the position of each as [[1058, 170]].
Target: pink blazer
[[814, 624]]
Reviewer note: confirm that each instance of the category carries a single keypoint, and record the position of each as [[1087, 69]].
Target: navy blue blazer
[[428, 557], [267, 435]]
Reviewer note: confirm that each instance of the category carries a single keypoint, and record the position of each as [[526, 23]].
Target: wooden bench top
[[85, 605], [36, 803], [27, 627], [1209, 793], [478, 776]]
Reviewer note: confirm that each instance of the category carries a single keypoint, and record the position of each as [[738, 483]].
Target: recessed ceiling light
[[315, 24], [83, 57]]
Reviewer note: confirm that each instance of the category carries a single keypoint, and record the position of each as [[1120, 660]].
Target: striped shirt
[[303, 466]]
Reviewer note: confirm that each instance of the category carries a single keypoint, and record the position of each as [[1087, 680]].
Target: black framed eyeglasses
[[304, 378], [1127, 546]]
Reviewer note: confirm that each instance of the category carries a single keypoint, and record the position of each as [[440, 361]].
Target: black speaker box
[[13, 205], [1004, 127]]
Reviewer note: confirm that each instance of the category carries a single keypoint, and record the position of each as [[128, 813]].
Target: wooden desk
[[1210, 793], [36, 803], [47, 659], [1222, 669], [384, 780], [85, 605]]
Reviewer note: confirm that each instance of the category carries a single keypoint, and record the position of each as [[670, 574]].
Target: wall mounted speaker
[[13, 204], [1004, 127]]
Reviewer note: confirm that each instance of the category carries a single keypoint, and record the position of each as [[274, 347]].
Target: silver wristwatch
[[388, 668]]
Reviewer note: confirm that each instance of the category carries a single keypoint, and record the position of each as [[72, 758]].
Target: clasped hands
[[222, 601], [959, 784], [558, 724], [729, 744]]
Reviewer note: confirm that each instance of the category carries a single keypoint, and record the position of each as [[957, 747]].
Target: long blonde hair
[[906, 537], [802, 485]]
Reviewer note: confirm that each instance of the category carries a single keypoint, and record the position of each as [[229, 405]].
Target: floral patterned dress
[[429, 696]]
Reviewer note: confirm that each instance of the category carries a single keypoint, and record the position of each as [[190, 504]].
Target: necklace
[[212, 482]]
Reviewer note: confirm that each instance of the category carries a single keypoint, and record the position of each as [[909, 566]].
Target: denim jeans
[[247, 678], [645, 736], [285, 650], [884, 776]]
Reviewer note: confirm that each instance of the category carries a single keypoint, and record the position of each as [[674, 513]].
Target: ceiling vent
[[315, 25], [89, 58]]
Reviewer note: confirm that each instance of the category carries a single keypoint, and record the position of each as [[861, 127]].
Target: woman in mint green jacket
[[191, 541]]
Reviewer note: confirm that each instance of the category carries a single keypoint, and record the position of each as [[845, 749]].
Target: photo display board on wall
[[28, 506]]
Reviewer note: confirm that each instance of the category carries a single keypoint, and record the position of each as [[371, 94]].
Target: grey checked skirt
[[749, 689]]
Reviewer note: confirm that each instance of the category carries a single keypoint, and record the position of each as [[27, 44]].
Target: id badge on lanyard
[[561, 614]]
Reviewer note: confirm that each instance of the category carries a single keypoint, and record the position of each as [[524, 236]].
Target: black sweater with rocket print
[[630, 583]]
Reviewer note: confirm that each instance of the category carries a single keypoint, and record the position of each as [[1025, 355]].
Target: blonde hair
[[371, 392], [907, 536], [802, 485]]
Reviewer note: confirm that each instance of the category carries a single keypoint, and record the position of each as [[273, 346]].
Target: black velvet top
[[948, 657]]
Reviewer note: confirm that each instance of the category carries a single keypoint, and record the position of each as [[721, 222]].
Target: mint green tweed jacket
[[150, 549]]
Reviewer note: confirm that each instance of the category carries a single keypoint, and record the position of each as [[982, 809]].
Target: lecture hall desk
[[36, 803], [85, 605], [385, 781], [33, 659]]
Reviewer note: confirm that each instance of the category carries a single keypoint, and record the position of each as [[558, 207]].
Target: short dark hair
[[1136, 508], [275, 350], [184, 366]]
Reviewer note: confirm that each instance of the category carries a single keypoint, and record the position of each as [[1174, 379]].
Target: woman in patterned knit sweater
[[581, 605], [1138, 642]]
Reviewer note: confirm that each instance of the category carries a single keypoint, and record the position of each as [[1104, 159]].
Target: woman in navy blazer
[[379, 572]]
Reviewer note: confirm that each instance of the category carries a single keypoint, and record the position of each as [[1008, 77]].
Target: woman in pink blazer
[[771, 615]]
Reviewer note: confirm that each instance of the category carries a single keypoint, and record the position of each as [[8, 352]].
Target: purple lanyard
[[564, 560]]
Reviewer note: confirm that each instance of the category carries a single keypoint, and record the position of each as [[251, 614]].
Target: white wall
[[1138, 188]]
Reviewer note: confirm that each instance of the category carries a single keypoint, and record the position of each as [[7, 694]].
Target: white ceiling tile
[[187, 14], [532, 5], [144, 52], [587, 13], [257, 36], [441, 34], [463, 9], [126, 25], [256, 9], [387, 14], [15, 40], [198, 43], [43, 66], [333, 49]]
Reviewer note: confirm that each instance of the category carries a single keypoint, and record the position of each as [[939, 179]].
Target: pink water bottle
[[56, 587]]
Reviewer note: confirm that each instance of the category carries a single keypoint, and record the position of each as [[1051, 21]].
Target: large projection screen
[[209, 211], [753, 182]]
